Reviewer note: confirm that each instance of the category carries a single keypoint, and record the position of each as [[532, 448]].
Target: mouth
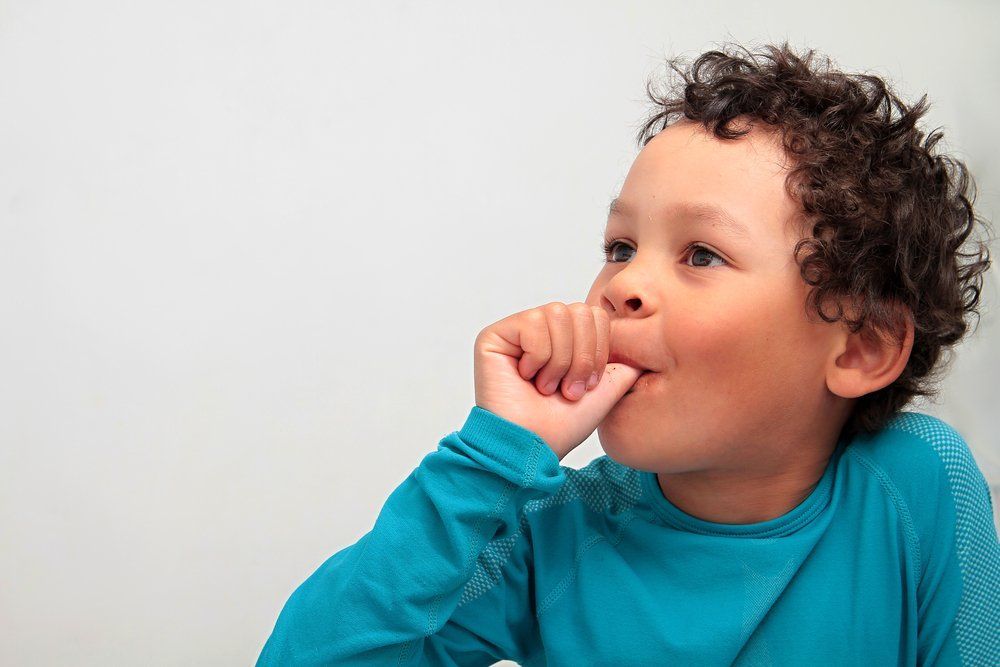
[[635, 384]]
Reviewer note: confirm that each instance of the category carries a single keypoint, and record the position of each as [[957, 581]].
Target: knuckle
[[558, 310], [534, 316], [561, 362], [540, 346], [554, 371]]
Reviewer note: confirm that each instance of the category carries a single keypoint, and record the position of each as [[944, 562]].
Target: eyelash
[[609, 246]]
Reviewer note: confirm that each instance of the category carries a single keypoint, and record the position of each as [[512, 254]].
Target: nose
[[630, 305]]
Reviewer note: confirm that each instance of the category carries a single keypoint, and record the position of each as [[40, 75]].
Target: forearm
[[375, 601]]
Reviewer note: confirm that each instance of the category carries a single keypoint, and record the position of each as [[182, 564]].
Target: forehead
[[745, 176]]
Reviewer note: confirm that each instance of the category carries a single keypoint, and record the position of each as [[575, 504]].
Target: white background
[[245, 249]]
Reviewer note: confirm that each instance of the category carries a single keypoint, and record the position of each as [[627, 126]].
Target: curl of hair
[[889, 215]]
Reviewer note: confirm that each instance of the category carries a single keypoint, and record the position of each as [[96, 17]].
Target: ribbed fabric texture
[[491, 550]]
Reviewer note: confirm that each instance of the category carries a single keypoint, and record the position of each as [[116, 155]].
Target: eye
[[692, 251], [609, 248], [694, 248]]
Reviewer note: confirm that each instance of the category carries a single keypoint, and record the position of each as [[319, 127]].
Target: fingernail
[[551, 386], [576, 389], [593, 380]]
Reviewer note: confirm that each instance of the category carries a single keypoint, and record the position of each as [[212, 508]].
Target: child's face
[[739, 377]]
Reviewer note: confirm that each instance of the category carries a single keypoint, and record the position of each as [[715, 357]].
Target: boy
[[782, 275]]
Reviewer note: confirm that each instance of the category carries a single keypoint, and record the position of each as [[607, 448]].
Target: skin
[[750, 390]]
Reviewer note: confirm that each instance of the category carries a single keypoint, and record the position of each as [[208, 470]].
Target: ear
[[867, 361]]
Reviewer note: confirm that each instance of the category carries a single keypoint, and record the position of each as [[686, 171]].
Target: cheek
[[736, 346], [717, 332]]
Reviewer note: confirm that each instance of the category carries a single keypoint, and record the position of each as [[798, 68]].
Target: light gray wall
[[245, 248]]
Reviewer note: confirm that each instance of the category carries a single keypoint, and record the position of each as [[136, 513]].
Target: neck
[[725, 496]]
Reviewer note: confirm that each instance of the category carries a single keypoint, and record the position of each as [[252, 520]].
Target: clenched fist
[[534, 368]]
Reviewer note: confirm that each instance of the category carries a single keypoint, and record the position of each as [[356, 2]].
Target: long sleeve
[[391, 598], [959, 591]]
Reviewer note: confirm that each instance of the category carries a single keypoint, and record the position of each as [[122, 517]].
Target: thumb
[[617, 379]]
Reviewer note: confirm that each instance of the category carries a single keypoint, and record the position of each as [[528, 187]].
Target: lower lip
[[636, 384]]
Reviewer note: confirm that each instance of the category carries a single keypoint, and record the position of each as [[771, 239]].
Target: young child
[[784, 269]]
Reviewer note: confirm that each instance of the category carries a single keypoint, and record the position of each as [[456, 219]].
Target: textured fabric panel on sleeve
[[977, 623]]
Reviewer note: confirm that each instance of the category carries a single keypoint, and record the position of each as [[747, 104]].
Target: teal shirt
[[490, 549]]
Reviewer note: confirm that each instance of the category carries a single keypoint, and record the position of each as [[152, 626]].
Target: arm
[[391, 598], [959, 592]]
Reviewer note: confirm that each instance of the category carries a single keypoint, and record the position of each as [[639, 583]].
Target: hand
[[517, 357]]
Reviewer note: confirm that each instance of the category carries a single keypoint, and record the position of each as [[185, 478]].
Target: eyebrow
[[700, 212]]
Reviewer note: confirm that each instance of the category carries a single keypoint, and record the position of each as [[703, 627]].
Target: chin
[[662, 451], [625, 448]]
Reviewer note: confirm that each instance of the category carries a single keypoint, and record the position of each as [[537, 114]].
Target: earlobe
[[864, 362]]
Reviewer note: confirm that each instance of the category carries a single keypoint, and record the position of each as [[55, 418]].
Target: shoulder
[[929, 469], [957, 465], [928, 450], [938, 436], [918, 453]]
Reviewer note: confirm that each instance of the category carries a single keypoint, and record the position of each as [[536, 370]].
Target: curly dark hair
[[889, 215]]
